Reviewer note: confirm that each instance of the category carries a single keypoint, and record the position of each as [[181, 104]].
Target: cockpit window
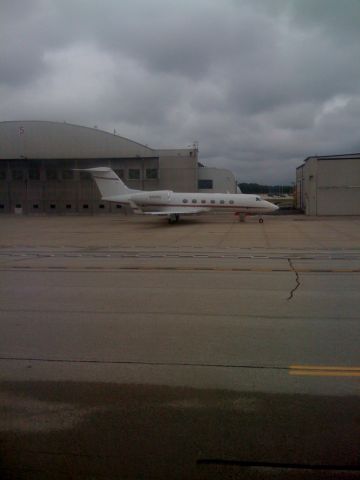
[[258, 199]]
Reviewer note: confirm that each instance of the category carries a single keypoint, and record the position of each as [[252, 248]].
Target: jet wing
[[179, 211]]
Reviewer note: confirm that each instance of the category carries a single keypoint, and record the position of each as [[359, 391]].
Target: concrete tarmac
[[210, 349]]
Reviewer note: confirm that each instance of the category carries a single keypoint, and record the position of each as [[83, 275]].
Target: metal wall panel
[[338, 187], [331, 185], [339, 201]]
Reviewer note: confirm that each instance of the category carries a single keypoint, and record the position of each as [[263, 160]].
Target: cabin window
[[118, 206], [101, 206], [18, 205], [185, 200], [68, 206], [222, 201], [203, 201], [231, 202], [212, 201], [85, 205], [35, 206], [194, 200], [52, 206]]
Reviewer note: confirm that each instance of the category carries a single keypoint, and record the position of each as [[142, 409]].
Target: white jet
[[173, 204]]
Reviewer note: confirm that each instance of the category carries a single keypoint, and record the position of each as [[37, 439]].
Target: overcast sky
[[260, 84]]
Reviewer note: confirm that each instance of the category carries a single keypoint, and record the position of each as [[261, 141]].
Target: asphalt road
[[179, 362]]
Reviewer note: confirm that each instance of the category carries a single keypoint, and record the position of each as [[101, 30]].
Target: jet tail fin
[[108, 183]]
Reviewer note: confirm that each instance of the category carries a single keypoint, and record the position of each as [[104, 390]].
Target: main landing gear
[[242, 217], [174, 218]]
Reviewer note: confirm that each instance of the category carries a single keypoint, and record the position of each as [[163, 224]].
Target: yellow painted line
[[324, 371], [322, 367]]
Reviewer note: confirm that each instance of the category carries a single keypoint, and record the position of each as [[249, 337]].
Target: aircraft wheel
[[173, 218], [261, 220]]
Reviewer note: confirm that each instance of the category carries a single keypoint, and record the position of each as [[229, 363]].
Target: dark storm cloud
[[18, 59], [261, 84], [336, 18]]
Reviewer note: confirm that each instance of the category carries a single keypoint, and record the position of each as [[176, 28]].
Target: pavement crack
[[297, 280]]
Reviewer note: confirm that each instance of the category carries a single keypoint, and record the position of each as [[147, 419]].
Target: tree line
[[272, 189]]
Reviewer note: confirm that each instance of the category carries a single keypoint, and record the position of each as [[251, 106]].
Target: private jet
[[171, 204]]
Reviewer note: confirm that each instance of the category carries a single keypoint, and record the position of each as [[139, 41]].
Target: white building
[[216, 180], [329, 185]]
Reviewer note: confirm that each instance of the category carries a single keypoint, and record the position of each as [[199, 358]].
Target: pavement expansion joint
[[184, 268], [292, 370]]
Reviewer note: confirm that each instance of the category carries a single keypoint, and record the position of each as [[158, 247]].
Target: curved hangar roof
[[41, 139]]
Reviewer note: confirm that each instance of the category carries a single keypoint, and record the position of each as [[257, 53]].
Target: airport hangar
[[37, 159], [329, 185]]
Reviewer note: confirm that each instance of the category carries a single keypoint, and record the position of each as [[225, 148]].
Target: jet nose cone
[[273, 207]]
